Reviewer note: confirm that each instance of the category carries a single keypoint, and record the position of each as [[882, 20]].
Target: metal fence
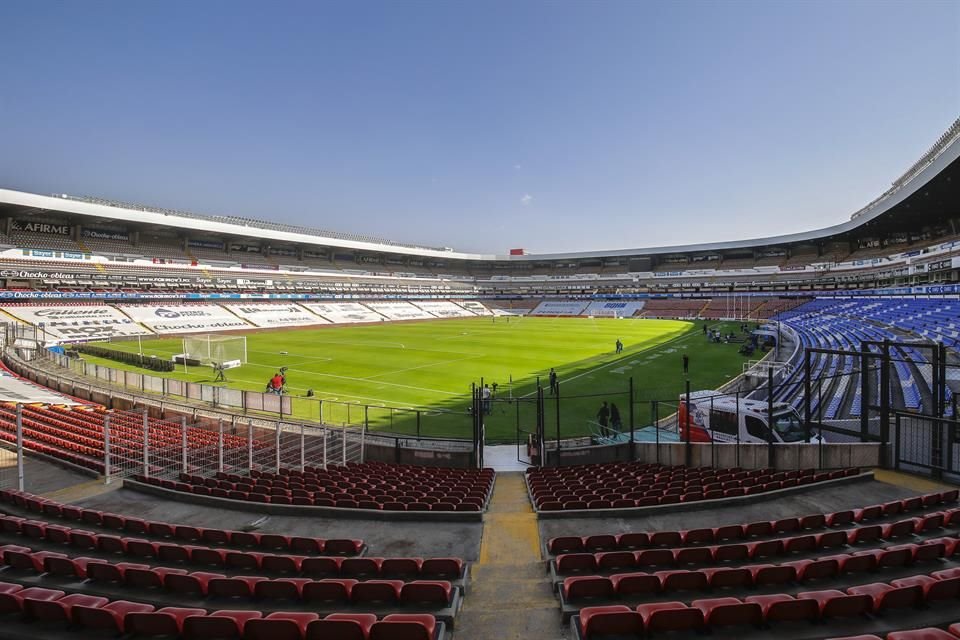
[[12, 475], [141, 445], [927, 445], [404, 421], [215, 396], [841, 397]]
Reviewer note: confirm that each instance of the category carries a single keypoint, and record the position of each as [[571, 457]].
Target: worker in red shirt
[[276, 383]]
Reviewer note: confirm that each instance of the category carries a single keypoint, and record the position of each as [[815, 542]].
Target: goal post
[[213, 350]]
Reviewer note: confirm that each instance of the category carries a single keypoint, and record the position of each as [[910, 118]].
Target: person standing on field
[[554, 384]]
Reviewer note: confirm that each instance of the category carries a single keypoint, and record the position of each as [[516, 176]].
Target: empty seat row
[[98, 614], [186, 533], [669, 483], [312, 566], [128, 425], [205, 584], [380, 503], [423, 486], [764, 528], [171, 551], [76, 433], [643, 495], [569, 563], [312, 487], [620, 475], [927, 633], [622, 621], [580, 589], [619, 469]]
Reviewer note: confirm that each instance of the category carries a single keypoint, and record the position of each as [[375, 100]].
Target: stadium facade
[[64, 246]]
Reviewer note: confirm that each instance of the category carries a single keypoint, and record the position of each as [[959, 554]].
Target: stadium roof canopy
[[927, 195]]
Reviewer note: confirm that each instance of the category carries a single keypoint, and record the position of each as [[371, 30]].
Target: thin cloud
[[526, 199]]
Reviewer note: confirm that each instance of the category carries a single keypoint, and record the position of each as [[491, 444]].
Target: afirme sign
[[41, 227]]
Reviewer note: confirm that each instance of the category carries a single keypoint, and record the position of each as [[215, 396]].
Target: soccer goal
[[212, 350]]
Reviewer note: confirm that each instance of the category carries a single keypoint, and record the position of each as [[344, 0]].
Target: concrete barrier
[[785, 457]]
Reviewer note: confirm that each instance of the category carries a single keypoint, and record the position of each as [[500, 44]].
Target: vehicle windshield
[[788, 427]]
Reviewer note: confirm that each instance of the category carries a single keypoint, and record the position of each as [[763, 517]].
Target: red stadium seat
[[404, 626], [163, 622], [580, 588], [41, 606], [279, 626], [889, 597], [629, 584], [109, 617], [670, 616], [929, 633], [722, 612], [343, 626], [617, 620], [785, 608], [220, 624], [834, 604]]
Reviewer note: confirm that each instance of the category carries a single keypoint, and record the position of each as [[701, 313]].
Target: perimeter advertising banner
[[77, 321], [344, 312], [276, 315], [443, 309], [191, 318], [399, 310]]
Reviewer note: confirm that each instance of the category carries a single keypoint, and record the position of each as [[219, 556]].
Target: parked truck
[[715, 417]]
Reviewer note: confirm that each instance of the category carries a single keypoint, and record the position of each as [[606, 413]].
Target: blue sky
[[553, 126]]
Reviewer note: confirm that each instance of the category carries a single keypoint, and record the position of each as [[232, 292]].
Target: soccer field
[[400, 370]]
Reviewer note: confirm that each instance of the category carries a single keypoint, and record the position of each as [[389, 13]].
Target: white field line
[[426, 366], [620, 360], [277, 354], [393, 345], [354, 379], [654, 348], [329, 396]]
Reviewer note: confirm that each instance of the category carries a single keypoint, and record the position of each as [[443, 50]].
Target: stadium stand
[[885, 563], [845, 324], [875, 567], [165, 566], [763, 529], [656, 308], [370, 485], [75, 433], [51, 509], [629, 485]]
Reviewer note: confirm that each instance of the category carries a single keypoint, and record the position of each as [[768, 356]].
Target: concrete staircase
[[510, 596]]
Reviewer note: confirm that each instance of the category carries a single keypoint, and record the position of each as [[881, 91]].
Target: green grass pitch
[[417, 376]]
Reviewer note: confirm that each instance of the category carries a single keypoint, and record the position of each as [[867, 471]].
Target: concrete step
[[516, 623], [510, 595]]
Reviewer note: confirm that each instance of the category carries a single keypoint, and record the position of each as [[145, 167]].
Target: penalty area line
[[593, 370]]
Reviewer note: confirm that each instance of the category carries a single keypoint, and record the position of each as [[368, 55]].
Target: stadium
[[290, 412], [224, 427]]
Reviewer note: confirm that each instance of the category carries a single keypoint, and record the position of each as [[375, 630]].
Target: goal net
[[225, 351]]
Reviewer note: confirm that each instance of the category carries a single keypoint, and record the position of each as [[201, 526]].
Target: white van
[[724, 418]]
